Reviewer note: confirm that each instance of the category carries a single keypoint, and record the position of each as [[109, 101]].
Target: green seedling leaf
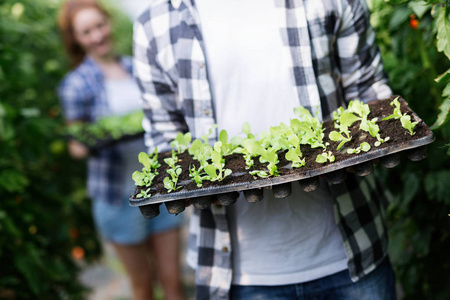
[[138, 178], [181, 142], [144, 194], [337, 136], [407, 124], [362, 147], [145, 160], [247, 130], [195, 148], [365, 146], [211, 170], [292, 156], [262, 174], [347, 119], [321, 159], [324, 157], [223, 137], [205, 137]]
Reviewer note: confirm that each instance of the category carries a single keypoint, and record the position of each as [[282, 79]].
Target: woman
[[101, 84]]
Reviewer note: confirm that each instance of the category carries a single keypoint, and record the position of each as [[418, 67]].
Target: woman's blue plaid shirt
[[83, 98]]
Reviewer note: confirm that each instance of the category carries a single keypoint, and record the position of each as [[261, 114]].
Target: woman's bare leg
[[166, 246], [136, 263]]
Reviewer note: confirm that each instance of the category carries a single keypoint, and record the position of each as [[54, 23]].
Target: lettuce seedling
[[362, 147], [362, 111], [324, 157], [405, 119], [309, 129], [226, 148], [149, 171], [195, 148], [342, 122], [380, 140], [170, 182], [198, 176], [271, 157], [205, 137], [251, 149], [143, 179], [247, 130], [144, 194], [216, 170], [295, 158], [181, 142], [150, 161]]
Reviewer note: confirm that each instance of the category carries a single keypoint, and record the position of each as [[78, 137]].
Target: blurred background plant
[[45, 219], [414, 38], [45, 222]]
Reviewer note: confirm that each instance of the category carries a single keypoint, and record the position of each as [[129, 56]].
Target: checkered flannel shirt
[[334, 60], [83, 98]]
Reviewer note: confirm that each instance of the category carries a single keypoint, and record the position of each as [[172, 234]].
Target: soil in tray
[[389, 128]]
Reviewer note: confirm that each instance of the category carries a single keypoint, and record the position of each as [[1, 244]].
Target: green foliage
[[418, 217], [44, 212]]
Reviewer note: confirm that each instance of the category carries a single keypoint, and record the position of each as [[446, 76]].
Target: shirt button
[[207, 112], [202, 65], [225, 249]]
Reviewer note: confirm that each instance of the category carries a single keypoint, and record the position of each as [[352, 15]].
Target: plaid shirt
[[334, 60], [83, 98]]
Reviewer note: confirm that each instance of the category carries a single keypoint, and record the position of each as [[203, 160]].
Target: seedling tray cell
[[388, 154]]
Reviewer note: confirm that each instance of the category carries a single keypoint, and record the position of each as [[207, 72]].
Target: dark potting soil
[[389, 128]]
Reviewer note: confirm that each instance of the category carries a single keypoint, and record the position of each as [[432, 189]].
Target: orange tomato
[[77, 252]]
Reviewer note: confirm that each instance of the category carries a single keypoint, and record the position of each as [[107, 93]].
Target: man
[[230, 62]]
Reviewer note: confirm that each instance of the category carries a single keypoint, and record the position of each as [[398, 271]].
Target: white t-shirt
[[123, 95], [275, 241]]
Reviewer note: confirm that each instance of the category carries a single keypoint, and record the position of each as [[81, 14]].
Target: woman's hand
[[78, 150]]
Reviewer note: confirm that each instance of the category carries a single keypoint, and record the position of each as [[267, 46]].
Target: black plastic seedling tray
[[362, 164]]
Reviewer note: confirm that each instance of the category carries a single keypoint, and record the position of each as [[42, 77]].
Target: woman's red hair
[[65, 22]]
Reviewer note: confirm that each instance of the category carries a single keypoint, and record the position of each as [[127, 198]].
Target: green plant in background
[[45, 216], [414, 39]]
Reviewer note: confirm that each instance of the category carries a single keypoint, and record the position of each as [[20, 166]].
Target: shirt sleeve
[[363, 76], [163, 116], [74, 98]]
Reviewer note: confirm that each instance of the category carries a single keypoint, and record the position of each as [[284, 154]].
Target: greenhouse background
[[47, 237]]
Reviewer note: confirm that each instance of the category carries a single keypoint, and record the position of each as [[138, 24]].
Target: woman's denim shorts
[[124, 224]]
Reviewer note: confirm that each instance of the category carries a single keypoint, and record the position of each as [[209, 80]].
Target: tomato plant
[[414, 40], [45, 217]]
